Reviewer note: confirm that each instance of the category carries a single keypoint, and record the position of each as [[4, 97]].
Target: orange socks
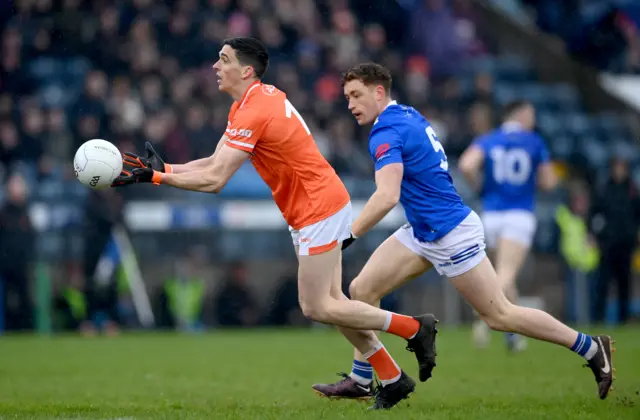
[[401, 325], [386, 368]]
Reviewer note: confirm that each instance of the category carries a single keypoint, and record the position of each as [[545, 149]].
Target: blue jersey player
[[514, 161], [412, 168]]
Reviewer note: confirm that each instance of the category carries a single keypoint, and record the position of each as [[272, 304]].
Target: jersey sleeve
[[385, 147], [244, 129]]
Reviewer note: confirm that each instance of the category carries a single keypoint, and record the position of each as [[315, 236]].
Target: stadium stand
[[603, 33]]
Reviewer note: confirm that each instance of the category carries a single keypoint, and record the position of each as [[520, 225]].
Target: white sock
[[593, 349], [359, 379]]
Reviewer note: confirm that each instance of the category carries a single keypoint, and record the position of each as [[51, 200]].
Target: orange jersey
[[304, 186]]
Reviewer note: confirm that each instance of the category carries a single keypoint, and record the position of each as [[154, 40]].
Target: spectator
[[200, 134], [103, 212], [13, 77], [285, 309], [11, 149], [483, 89], [346, 157], [416, 82], [479, 120], [433, 34], [59, 143], [183, 294], [16, 255], [579, 250], [615, 222], [235, 306], [32, 136], [69, 303]]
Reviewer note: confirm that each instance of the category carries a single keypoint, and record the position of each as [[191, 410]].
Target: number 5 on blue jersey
[[437, 146], [386, 147]]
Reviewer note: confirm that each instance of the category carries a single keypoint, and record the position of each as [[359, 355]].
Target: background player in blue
[[411, 168], [514, 160]]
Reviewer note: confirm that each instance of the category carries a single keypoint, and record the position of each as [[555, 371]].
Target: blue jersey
[[511, 159], [431, 203]]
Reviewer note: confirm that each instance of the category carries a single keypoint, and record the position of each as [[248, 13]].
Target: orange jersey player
[[265, 128], [305, 187]]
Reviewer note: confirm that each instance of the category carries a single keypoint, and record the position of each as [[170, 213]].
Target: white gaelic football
[[97, 163]]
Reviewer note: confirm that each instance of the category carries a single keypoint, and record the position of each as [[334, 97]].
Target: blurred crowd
[[135, 70], [603, 33]]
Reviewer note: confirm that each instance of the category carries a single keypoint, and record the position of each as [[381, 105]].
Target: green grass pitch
[[267, 375]]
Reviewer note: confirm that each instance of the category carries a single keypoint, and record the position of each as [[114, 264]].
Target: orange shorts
[[324, 235]]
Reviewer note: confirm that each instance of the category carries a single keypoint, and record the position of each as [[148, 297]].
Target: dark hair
[[513, 107], [250, 52], [369, 74]]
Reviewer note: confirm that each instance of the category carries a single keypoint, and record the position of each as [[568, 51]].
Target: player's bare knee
[[360, 290], [494, 322], [315, 310], [500, 318], [313, 313]]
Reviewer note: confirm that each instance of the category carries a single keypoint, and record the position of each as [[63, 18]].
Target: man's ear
[[247, 72]]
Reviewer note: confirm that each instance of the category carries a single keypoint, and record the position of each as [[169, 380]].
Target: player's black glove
[[136, 176], [351, 239], [151, 160], [155, 160], [133, 161]]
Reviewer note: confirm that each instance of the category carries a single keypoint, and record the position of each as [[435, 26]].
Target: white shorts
[[516, 225], [324, 235], [458, 252]]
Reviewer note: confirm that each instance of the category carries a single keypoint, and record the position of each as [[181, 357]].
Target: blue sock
[[510, 338], [362, 371], [584, 346]]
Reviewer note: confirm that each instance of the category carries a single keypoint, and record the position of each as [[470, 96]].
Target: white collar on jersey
[[511, 126], [391, 103], [388, 105]]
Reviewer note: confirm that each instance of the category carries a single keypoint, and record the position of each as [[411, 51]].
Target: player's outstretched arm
[[153, 160], [387, 195], [470, 163], [199, 164], [211, 178]]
